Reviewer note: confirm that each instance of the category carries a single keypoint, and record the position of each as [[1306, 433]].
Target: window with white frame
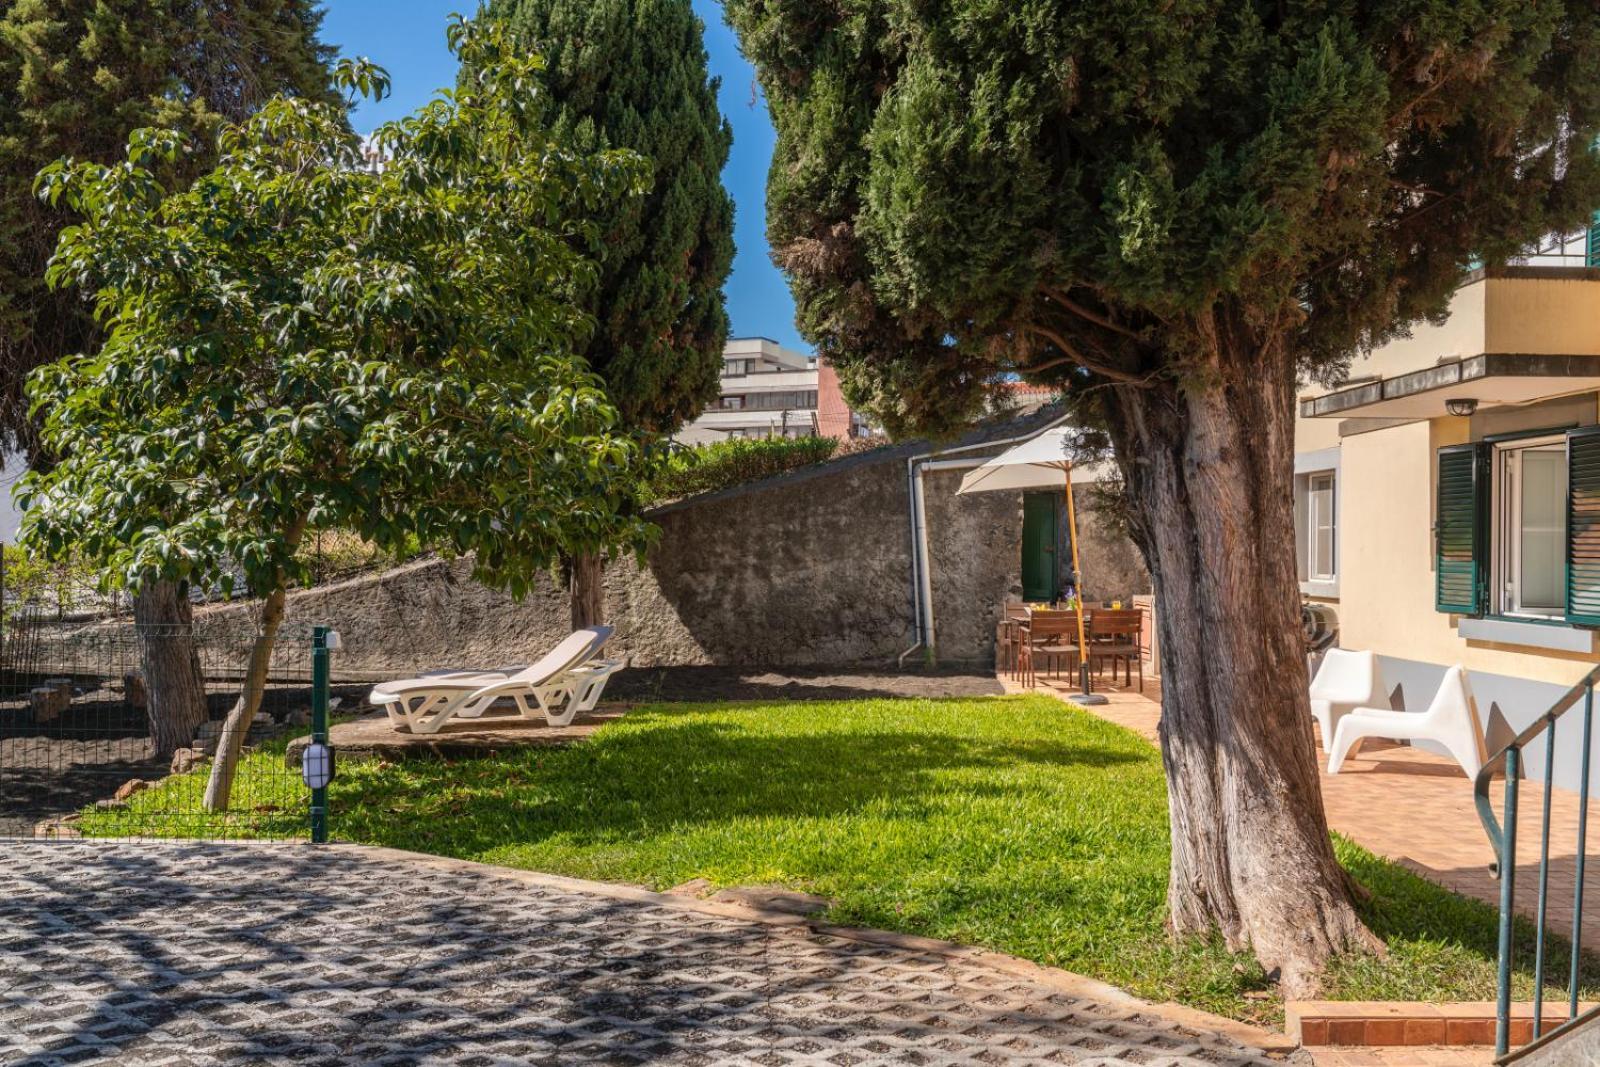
[[1316, 520], [1529, 528], [1321, 528]]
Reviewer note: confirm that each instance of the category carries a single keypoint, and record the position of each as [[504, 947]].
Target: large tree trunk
[[1209, 471], [175, 690], [588, 590], [230, 746]]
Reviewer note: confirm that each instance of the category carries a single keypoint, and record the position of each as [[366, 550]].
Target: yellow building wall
[[1386, 579], [1462, 334], [1544, 316]]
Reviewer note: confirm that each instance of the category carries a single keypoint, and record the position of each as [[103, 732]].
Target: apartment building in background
[[772, 391]]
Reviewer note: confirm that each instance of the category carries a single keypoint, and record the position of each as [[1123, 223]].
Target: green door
[[1039, 539]]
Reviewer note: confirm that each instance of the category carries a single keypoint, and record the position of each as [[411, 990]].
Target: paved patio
[[1416, 808], [188, 953]]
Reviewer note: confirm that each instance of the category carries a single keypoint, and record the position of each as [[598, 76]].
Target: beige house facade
[[1447, 498]]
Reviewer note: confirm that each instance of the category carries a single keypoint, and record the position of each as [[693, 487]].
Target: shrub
[[708, 468]]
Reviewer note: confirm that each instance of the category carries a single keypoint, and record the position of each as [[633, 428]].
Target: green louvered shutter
[[1583, 526], [1459, 530], [1592, 249]]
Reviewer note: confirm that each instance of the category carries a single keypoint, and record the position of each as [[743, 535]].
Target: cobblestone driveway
[[195, 954]]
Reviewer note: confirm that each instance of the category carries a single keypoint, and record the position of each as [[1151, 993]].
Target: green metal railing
[[1508, 763]]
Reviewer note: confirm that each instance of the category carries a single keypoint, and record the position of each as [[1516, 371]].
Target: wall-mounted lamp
[[1462, 406]]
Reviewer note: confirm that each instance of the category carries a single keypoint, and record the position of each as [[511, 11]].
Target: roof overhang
[[1491, 379]]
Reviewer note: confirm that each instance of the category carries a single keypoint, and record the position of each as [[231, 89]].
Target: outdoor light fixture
[[316, 765], [1461, 405]]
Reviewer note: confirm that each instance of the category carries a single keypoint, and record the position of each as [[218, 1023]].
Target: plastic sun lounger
[[566, 682]]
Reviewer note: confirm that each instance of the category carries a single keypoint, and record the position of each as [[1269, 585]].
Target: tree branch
[[1074, 356], [1091, 316]]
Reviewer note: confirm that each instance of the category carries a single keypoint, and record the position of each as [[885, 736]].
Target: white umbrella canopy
[[1044, 462], [1037, 463]]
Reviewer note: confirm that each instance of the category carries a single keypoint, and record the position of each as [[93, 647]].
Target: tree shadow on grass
[[1419, 918]]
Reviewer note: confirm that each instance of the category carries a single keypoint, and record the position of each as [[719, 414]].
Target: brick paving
[[190, 953]]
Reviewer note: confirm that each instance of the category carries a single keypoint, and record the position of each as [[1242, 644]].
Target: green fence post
[[319, 727]]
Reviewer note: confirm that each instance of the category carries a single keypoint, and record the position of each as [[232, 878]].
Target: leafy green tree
[[631, 74], [300, 341], [1175, 211], [76, 78]]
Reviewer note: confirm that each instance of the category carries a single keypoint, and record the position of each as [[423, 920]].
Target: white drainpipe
[[921, 571]]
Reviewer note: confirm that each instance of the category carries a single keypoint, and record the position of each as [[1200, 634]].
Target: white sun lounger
[[565, 683]]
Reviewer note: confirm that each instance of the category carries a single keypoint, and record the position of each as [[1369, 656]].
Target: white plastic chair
[[1346, 680], [1451, 720]]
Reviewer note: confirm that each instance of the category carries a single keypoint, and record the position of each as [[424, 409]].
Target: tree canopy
[[76, 78], [631, 74], [976, 187], [299, 338]]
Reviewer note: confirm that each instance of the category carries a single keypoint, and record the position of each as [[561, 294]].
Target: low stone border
[[1399, 1022], [1067, 982]]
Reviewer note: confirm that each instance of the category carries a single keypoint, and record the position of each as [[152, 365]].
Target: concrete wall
[[809, 569]]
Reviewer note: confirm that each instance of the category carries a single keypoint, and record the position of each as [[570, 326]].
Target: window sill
[[1324, 589], [1556, 636]]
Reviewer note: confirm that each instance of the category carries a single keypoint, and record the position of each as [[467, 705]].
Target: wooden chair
[[1117, 636], [1049, 636], [1008, 635]]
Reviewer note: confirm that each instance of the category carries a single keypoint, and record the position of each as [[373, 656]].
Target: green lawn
[[1015, 823]]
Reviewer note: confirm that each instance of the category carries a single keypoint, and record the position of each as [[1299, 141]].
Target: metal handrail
[[1496, 763], [1508, 762]]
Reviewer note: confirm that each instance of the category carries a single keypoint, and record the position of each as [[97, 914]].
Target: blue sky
[[407, 37]]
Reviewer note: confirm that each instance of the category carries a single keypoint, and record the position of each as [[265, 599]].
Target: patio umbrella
[[1038, 463]]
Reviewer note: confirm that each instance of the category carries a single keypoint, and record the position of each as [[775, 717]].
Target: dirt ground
[[755, 683]]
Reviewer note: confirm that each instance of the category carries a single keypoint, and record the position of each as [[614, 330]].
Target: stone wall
[[810, 569], [1113, 569]]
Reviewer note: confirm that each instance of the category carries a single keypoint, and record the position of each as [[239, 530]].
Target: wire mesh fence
[[112, 729]]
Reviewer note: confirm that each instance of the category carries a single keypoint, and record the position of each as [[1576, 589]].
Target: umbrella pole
[[1088, 695]]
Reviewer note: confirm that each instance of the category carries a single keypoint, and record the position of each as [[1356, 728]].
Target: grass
[[1015, 823]]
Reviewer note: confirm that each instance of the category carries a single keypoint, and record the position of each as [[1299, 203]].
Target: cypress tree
[[632, 74], [1175, 210]]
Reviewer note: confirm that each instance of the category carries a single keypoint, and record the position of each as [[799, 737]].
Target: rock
[[767, 898], [130, 787], [204, 746], [111, 805], [49, 700], [261, 718], [185, 760], [134, 690], [299, 717]]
